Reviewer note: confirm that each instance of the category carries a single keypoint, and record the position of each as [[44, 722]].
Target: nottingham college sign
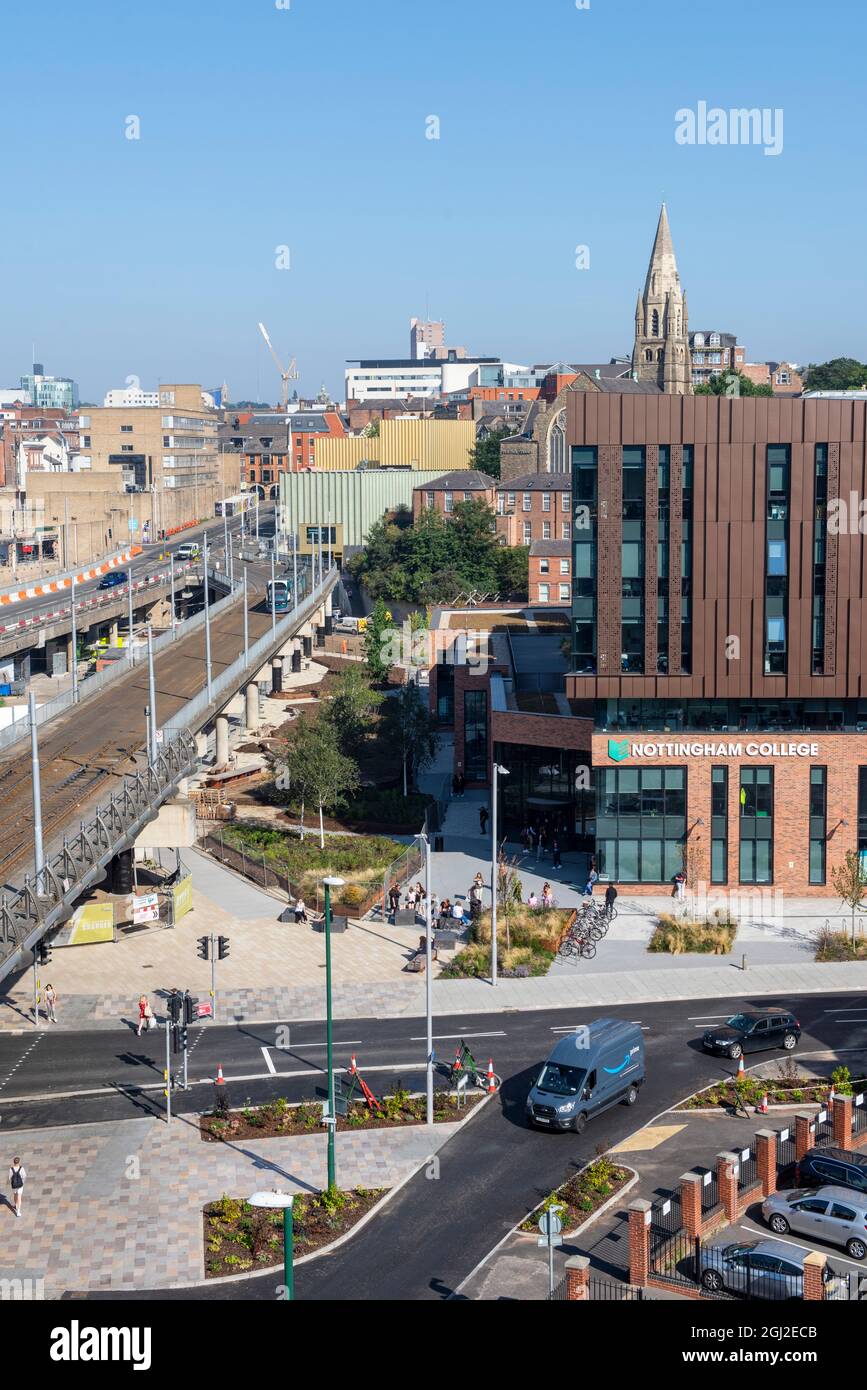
[[621, 749]]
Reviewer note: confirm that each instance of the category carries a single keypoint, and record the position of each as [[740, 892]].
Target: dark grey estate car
[[755, 1031]]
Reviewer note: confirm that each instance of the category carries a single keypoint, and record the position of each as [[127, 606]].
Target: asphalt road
[[432, 1234]]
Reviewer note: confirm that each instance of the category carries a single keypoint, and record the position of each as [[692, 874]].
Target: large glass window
[[585, 498], [686, 562], [662, 557], [640, 823], [776, 558], [818, 822], [719, 822], [757, 825], [862, 817], [820, 524], [632, 560], [476, 735]]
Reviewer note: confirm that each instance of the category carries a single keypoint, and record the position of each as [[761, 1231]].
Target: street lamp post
[[331, 882], [496, 771], [172, 581], [38, 854], [273, 594], [152, 695], [428, 958], [207, 620], [129, 608], [74, 637], [246, 625], [280, 1201]]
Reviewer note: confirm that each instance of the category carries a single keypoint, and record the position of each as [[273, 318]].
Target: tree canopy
[[485, 453], [719, 386], [840, 374], [439, 558]]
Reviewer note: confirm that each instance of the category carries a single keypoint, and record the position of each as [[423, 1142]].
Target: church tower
[[661, 351]]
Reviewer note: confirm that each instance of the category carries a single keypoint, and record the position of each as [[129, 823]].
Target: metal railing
[[130, 658], [28, 913]]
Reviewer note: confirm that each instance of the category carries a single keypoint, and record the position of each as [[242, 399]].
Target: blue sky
[[306, 127]]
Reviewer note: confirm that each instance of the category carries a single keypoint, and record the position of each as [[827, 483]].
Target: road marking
[[843, 1259], [707, 1018], [446, 1037], [861, 1018], [301, 1047], [268, 1063], [649, 1138], [573, 1028]]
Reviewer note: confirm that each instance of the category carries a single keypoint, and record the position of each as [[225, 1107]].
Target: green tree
[[513, 565], [314, 767], [485, 453], [850, 882], [840, 374], [350, 707], [379, 622], [407, 721], [719, 386]]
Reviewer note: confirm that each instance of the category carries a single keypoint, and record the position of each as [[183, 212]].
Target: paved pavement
[[119, 1206]]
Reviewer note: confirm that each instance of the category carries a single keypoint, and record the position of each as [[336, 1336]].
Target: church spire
[[661, 351]]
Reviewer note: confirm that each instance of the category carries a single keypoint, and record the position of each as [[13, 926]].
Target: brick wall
[[551, 576], [841, 754]]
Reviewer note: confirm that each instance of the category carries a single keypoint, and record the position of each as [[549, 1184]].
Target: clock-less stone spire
[[661, 351]]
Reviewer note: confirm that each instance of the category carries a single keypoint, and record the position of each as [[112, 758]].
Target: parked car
[[832, 1167], [833, 1214], [190, 550], [587, 1072], [753, 1032], [767, 1269], [112, 579]]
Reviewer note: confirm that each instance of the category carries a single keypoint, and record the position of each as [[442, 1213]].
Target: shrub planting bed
[[582, 1194], [359, 859], [838, 945], [789, 1088], [676, 936], [279, 1119], [527, 942], [239, 1238]]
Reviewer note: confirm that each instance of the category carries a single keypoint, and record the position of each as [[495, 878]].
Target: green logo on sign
[[618, 749]]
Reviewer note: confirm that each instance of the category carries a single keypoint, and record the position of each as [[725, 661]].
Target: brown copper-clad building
[[717, 641]]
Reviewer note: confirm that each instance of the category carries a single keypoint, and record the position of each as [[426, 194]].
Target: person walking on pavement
[[592, 878], [144, 1009], [51, 1003], [540, 843], [680, 885], [531, 838], [555, 852], [484, 817], [17, 1179], [394, 898], [610, 897]]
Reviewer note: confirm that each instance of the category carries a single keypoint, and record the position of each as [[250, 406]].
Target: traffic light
[[174, 1005], [204, 948], [222, 947], [190, 1006], [179, 1037], [43, 952]]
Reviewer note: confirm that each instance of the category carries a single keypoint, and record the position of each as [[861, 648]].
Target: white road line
[[573, 1028], [268, 1063], [862, 1018], [446, 1037], [302, 1047], [842, 1259], [707, 1018]]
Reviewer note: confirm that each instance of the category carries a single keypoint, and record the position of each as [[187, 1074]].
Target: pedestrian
[[555, 852], [484, 817], [144, 1010], [51, 1003], [532, 900], [525, 832], [680, 885], [592, 878], [445, 912], [394, 898], [17, 1179], [456, 784], [540, 843], [434, 906], [458, 912], [410, 899], [300, 911], [462, 784], [610, 897], [531, 838], [547, 896], [475, 896]]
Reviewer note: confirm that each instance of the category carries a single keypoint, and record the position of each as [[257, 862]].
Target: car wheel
[[712, 1280], [855, 1248], [631, 1096], [779, 1224], [736, 1051], [579, 1124], [789, 1041]]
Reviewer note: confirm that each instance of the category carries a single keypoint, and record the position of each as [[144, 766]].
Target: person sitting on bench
[[300, 911]]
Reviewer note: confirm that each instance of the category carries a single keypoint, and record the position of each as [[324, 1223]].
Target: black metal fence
[[666, 1216], [609, 1291], [824, 1128], [673, 1258], [748, 1170], [710, 1198], [859, 1114], [786, 1148]]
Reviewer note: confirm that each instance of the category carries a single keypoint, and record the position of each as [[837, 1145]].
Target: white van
[[190, 550]]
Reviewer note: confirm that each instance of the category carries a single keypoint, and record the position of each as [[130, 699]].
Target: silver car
[[833, 1214], [768, 1269]]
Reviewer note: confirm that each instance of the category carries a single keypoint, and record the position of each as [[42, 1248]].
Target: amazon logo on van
[[613, 1071]]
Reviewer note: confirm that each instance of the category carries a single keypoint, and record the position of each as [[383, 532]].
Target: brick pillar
[[727, 1178], [578, 1279], [841, 1114], [766, 1160], [814, 1268], [690, 1203], [639, 1242], [804, 1132]]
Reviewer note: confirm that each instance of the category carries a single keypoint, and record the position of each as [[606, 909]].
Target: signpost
[[145, 908], [550, 1225]]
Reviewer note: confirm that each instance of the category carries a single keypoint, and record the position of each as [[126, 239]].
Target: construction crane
[[287, 374]]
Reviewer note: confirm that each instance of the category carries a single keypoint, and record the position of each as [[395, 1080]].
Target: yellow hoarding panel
[[182, 898], [93, 922]]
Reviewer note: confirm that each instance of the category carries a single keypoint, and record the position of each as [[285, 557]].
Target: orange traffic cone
[[763, 1106], [219, 1081], [492, 1080], [832, 1096], [352, 1066], [741, 1068], [457, 1066]]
